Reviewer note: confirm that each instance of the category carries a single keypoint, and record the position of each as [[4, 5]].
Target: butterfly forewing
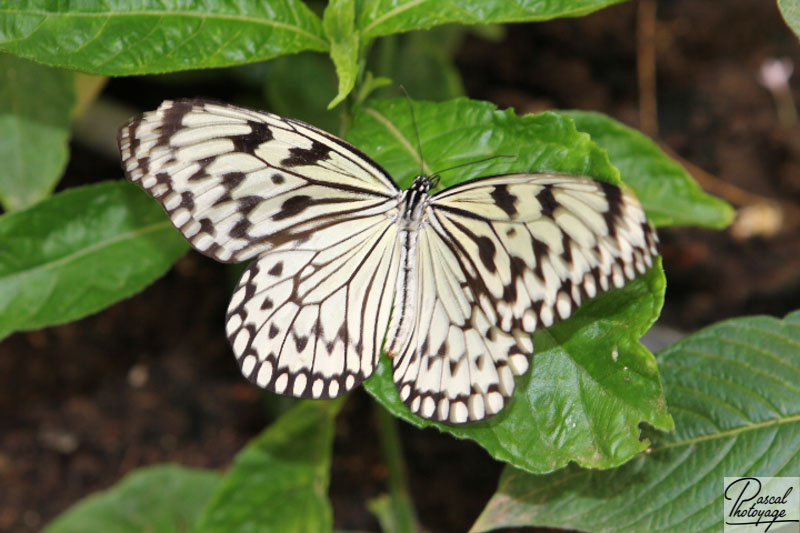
[[538, 245], [465, 275], [238, 182]]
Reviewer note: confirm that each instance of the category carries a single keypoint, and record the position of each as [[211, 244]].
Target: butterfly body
[[450, 285]]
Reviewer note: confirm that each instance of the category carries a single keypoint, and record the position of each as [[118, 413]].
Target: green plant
[[76, 252]]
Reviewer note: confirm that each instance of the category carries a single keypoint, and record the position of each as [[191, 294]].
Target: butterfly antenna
[[474, 162], [416, 132]]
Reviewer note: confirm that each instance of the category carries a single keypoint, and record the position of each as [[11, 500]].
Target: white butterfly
[[449, 285]]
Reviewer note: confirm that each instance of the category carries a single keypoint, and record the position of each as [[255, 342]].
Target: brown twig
[[646, 66], [758, 216], [715, 185]]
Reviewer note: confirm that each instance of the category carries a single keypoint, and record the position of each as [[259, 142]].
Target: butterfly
[[346, 265]]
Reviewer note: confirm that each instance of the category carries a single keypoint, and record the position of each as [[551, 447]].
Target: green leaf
[[35, 106], [733, 390], [790, 9], [80, 251], [279, 482], [592, 382], [156, 499], [668, 193], [463, 131], [384, 17], [339, 23], [119, 37]]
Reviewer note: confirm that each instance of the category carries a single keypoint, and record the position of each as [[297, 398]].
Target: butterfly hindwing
[[309, 321], [458, 367]]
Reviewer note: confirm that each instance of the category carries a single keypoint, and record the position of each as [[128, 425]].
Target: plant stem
[[405, 518]]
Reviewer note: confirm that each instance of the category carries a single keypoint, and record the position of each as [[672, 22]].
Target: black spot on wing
[[547, 201], [131, 135], [201, 173], [239, 229], [247, 203], [231, 180], [566, 245], [613, 196], [248, 142], [486, 248], [297, 204], [206, 226], [162, 178], [505, 200], [276, 270], [300, 342], [187, 200], [293, 206], [487, 251], [144, 164], [510, 293], [540, 251], [172, 121], [307, 156]]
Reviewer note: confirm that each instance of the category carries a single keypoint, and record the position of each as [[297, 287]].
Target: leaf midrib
[[389, 14], [50, 265], [727, 433], [392, 129]]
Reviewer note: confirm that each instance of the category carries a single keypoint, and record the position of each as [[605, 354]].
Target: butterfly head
[[423, 184]]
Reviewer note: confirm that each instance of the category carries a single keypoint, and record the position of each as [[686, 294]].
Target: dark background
[[152, 380]]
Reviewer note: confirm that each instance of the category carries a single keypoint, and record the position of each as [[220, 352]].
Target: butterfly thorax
[[414, 201]]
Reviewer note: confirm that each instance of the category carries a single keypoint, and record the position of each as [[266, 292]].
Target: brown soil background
[[151, 379]]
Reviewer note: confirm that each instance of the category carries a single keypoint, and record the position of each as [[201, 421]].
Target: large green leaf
[[790, 9], [157, 499], [35, 104], [80, 251], [384, 17], [592, 382], [279, 482], [733, 390], [668, 193], [119, 37]]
